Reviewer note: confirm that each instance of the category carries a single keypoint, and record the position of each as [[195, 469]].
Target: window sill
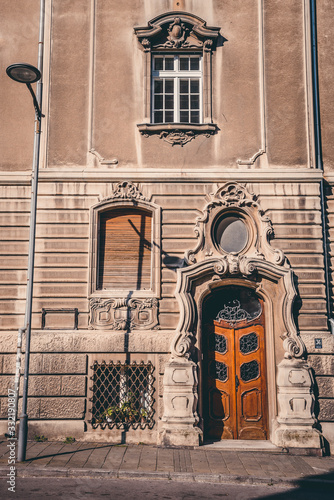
[[177, 133]]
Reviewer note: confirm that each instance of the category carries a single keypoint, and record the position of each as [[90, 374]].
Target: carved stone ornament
[[177, 30], [210, 271], [127, 190], [123, 314], [257, 261], [236, 199], [179, 134], [177, 34], [177, 137]]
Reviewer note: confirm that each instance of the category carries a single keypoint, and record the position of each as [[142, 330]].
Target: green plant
[[40, 439], [143, 413], [69, 440], [110, 413], [126, 411]]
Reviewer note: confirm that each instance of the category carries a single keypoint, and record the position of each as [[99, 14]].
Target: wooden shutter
[[125, 249]]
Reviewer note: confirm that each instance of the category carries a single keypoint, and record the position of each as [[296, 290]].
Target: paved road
[[118, 489]]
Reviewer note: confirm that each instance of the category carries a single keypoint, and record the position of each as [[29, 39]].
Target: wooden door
[[236, 403]]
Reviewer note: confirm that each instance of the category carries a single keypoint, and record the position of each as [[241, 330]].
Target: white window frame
[[176, 75]]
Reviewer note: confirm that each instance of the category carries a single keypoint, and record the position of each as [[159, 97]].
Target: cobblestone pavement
[[141, 461]]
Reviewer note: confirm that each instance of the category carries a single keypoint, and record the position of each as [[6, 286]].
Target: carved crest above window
[[177, 30]]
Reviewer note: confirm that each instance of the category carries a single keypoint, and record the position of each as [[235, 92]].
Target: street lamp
[[23, 73], [28, 74]]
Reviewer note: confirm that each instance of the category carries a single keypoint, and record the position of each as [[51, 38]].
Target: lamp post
[[28, 74]]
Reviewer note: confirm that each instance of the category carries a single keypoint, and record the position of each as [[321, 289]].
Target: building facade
[[183, 284]]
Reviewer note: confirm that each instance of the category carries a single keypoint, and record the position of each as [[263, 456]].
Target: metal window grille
[[122, 395]]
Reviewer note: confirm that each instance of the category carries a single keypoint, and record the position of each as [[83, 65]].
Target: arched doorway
[[234, 365]]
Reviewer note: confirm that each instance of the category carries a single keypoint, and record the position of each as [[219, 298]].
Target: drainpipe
[[318, 156]]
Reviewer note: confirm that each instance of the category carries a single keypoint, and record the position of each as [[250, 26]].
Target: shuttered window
[[125, 249]]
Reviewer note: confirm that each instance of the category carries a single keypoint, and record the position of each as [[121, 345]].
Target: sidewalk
[[202, 464]]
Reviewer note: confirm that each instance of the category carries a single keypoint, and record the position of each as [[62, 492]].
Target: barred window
[[122, 395]]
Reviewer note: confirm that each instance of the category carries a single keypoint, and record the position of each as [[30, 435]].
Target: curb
[[171, 476]]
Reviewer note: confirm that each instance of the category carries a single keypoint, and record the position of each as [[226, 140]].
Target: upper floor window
[[176, 88], [177, 69]]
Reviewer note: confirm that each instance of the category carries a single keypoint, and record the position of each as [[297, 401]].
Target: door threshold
[[242, 445]]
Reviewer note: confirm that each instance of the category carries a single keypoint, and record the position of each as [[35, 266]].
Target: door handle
[[237, 383]]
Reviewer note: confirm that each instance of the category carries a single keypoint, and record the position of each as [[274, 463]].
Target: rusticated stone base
[[180, 435], [307, 439], [56, 430]]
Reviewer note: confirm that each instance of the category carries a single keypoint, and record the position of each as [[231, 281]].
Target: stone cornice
[[157, 175]]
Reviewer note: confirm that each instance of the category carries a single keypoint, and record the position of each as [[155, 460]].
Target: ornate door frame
[[267, 272]]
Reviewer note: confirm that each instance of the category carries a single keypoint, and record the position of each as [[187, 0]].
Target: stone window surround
[[205, 39], [110, 204]]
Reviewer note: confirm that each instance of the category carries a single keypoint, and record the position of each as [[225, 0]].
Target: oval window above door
[[230, 233]]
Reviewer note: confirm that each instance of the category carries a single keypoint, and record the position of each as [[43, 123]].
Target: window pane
[[158, 102], [194, 116], [184, 86], [158, 86], [194, 86], [169, 101], [194, 63], [184, 63], [184, 102], [194, 101], [184, 117], [169, 116], [158, 63], [169, 63], [158, 117], [169, 86]]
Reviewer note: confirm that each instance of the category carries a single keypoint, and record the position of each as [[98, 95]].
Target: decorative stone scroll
[[213, 270], [257, 261], [235, 199], [123, 314], [178, 134], [127, 190], [177, 137]]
